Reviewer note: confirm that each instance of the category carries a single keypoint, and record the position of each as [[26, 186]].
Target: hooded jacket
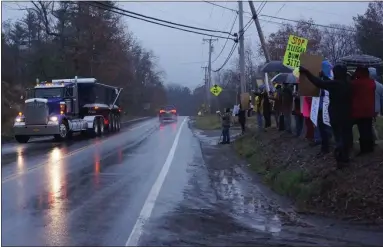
[[339, 93], [378, 91], [363, 94]]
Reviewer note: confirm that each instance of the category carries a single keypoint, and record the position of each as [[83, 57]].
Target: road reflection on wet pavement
[[96, 192]]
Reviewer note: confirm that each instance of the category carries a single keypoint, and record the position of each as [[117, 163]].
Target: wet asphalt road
[[150, 184]]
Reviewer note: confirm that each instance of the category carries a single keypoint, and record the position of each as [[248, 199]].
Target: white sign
[[235, 110], [314, 110], [267, 82], [326, 102]]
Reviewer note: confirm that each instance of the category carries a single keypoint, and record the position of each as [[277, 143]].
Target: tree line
[[64, 39]]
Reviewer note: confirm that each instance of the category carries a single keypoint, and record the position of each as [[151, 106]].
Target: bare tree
[[337, 42]]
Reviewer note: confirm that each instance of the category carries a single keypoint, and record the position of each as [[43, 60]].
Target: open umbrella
[[280, 78], [287, 78], [291, 79], [276, 66], [361, 61]]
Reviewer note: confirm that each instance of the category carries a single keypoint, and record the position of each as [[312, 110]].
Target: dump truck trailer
[[61, 107]]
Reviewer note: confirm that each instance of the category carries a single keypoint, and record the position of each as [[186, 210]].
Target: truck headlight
[[53, 119], [19, 120]]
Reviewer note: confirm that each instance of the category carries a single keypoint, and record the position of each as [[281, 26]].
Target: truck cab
[[61, 107]]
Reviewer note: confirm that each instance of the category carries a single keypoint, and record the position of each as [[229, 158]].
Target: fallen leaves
[[355, 192]]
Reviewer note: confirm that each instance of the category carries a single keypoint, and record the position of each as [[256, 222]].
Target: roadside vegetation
[[289, 165], [208, 122]]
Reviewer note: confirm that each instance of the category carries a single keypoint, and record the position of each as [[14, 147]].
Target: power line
[[284, 19], [261, 7], [232, 27], [161, 24], [242, 33], [228, 57], [160, 20], [276, 13], [329, 27], [248, 24], [224, 7], [232, 49], [307, 22]]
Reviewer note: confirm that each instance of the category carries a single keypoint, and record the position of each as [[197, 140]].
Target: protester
[[277, 97], [250, 111], [287, 105], [322, 131], [308, 123], [298, 116], [378, 98], [317, 136], [263, 108], [242, 118], [363, 108], [339, 109], [258, 108], [226, 122], [266, 109]]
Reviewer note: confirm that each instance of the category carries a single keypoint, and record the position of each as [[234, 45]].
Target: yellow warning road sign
[[216, 90]]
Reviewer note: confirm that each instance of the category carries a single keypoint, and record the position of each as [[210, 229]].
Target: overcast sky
[[182, 54]]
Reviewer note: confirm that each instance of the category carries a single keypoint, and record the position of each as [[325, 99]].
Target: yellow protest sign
[[216, 90], [295, 46]]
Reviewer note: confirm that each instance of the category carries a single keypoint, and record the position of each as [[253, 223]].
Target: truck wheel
[[22, 139], [118, 123], [114, 123], [64, 132], [96, 127], [101, 127], [111, 123]]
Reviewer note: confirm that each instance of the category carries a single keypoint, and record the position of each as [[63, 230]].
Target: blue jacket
[[378, 91]]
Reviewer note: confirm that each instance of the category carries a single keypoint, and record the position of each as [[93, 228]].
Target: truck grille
[[36, 113]]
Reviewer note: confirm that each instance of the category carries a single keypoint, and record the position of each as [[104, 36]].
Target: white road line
[[33, 168], [135, 120], [148, 206]]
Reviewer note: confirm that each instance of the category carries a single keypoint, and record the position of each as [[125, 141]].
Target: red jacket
[[363, 97]]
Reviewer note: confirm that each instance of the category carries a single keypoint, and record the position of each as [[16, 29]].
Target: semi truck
[[62, 107]]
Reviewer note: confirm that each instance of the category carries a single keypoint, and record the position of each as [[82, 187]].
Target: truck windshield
[[48, 92]]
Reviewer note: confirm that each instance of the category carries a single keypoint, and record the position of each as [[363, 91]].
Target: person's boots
[[281, 123], [370, 146], [363, 144]]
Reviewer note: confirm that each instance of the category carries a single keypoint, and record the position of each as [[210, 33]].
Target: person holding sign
[[323, 132], [340, 95]]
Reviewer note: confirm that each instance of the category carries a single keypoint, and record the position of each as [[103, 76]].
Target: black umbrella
[[276, 66], [280, 78], [287, 78], [361, 61]]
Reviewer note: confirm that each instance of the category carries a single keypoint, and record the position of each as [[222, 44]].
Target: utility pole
[[209, 69], [241, 48], [260, 33], [206, 86]]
